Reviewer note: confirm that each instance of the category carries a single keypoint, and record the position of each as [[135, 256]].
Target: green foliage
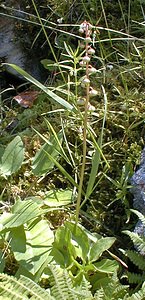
[[111, 289], [61, 289], [138, 295], [12, 157], [22, 288], [75, 249], [30, 237], [41, 163], [52, 95], [114, 139], [137, 258], [139, 241], [55, 198]]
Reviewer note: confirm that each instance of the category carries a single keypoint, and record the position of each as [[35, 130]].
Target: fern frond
[[112, 289], [99, 295], [138, 241], [135, 278], [140, 215], [140, 295], [136, 258], [84, 289], [23, 288], [62, 287]]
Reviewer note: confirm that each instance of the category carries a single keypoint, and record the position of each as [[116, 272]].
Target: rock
[[138, 183], [12, 48], [138, 190]]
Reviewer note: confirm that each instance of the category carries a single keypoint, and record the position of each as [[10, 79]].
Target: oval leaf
[[99, 247], [13, 157]]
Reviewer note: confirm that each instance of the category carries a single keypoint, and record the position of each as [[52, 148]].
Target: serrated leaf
[[13, 157]]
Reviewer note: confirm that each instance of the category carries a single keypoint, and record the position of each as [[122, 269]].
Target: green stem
[[85, 121]]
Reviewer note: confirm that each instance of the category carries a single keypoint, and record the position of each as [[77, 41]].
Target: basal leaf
[[18, 239], [106, 266], [63, 245], [99, 247], [56, 198], [22, 212], [81, 238], [13, 157], [39, 239]]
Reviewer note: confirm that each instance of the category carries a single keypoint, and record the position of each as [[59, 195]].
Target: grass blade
[[51, 94]]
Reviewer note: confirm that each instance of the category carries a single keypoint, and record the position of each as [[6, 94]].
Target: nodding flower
[[91, 70], [85, 82], [91, 50], [86, 59], [85, 26], [93, 92]]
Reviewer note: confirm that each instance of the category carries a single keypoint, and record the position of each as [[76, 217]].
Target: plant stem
[[85, 121]]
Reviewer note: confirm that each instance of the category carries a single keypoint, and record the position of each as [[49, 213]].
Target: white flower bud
[[91, 70], [85, 82], [91, 51], [82, 63], [88, 39], [91, 107], [81, 30], [93, 92], [86, 59]]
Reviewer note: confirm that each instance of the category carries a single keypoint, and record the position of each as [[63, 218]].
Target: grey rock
[[12, 49], [138, 190]]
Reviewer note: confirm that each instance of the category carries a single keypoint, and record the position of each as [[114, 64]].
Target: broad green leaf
[[41, 163], [52, 95], [39, 239], [106, 266], [18, 239], [81, 238], [63, 245], [22, 212], [13, 157], [55, 198], [99, 247]]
